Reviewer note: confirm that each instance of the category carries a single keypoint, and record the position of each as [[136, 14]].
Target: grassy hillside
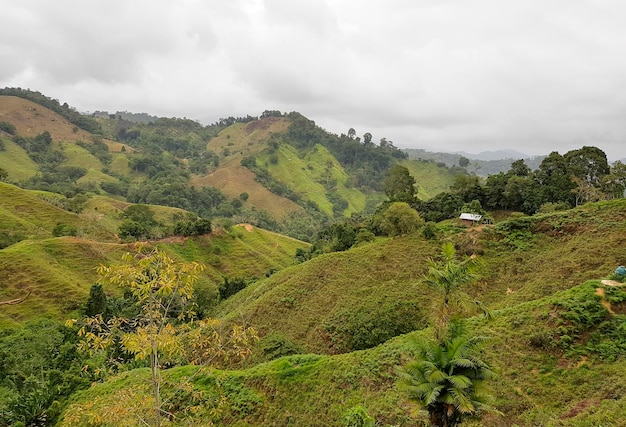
[[430, 178], [15, 161], [520, 260], [60, 271], [31, 119], [299, 301], [24, 215], [539, 382], [181, 152]]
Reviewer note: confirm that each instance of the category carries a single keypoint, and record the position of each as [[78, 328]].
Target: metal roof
[[471, 216]]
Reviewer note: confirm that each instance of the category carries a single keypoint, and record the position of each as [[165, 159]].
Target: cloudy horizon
[[446, 75]]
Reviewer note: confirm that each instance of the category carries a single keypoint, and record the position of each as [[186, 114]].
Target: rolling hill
[[271, 170], [333, 328]]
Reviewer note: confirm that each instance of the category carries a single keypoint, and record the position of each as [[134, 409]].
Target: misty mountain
[[483, 164]]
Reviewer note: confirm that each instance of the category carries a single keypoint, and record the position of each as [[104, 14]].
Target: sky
[[533, 76]]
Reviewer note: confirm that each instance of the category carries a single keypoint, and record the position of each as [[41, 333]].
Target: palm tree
[[448, 380], [448, 277]]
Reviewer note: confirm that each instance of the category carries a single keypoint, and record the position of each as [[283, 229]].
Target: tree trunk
[[156, 384]]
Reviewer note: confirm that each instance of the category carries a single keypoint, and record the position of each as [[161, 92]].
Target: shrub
[[64, 230], [371, 325], [275, 345], [231, 286], [7, 127]]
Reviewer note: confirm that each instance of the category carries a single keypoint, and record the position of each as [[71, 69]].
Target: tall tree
[[158, 284], [399, 185], [448, 277], [555, 179], [587, 163], [614, 184], [447, 377]]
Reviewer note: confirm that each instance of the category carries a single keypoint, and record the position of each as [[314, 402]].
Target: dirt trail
[[601, 293]]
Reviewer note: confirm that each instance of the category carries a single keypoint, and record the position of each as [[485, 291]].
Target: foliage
[[368, 326], [357, 416], [160, 286], [399, 219], [399, 185], [7, 127], [192, 226], [230, 287], [40, 365], [447, 277], [448, 380]]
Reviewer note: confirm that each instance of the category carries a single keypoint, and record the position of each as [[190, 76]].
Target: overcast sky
[[446, 75]]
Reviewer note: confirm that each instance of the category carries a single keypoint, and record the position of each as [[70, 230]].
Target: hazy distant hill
[[483, 164]]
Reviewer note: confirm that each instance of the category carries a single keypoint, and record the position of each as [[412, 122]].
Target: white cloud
[[535, 76]]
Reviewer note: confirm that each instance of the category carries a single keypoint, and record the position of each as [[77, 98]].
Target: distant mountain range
[[483, 164], [495, 155]]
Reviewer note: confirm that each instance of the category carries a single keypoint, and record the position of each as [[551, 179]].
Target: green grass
[[16, 162], [60, 271], [430, 179], [296, 302], [312, 176], [77, 156], [535, 386]]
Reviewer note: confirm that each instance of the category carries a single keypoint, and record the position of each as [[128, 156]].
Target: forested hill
[[278, 171]]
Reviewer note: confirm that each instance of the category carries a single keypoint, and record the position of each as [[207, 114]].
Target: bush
[[7, 127], [231, 286], [64, 230], [399, 219], [430, 230], [371, 325], [275, 345]]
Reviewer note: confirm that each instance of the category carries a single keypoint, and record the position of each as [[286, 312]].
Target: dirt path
[[600, 292]]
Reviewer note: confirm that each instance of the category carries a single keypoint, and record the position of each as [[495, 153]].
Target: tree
[[400, 218], [614, 184], [519, 168], [464, 162], [162, 289], [587, 163], [468, 187], [97, 302], [399, 185], [3, 174], [555, 180], [158, 283], [447, 377], [367, 138], [448, 380], [447, 277]]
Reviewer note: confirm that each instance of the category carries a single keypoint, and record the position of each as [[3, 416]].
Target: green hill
[[333, 328], [541, 381], [271, 171]]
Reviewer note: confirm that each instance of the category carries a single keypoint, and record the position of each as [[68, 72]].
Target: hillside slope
[[539, 383], [520, 260]]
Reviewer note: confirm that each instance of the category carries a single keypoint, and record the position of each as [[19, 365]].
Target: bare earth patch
[[249, 227]]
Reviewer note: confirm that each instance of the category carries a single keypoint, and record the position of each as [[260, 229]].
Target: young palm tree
[[448, 278], [448, 380]]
